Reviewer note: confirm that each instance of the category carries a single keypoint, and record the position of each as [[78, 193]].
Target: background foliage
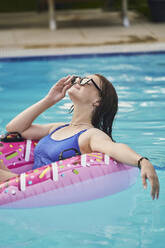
[[40, 5]]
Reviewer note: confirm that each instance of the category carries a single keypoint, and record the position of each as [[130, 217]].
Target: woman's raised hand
[[58, 91]]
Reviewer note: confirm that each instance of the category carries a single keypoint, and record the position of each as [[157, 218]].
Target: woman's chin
[[73, 94], [72, 91]]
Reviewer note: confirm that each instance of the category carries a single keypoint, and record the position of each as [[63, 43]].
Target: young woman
[[95, 104]]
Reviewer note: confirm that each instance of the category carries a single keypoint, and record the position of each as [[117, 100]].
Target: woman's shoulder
[[97, 132]]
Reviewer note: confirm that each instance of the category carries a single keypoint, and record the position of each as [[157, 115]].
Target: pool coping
[[128, 49]]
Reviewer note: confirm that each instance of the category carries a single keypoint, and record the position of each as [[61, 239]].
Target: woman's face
[[86, 93]]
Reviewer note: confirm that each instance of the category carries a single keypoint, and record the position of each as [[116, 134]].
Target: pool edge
[[130, 49]]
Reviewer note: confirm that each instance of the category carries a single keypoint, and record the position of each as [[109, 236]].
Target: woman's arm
[[22, 123], [24, 120], [100, 142]]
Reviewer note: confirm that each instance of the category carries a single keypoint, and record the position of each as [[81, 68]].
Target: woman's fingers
[[68, 81], [154, 182], [58, 90], [64, 81], [154, 187], [66, 88], [67, 84], [144, 181]]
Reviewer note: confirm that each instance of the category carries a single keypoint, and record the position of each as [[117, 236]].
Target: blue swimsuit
[[49, 150]]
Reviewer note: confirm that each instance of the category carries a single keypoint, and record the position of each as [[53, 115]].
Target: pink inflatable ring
[[76, 179]]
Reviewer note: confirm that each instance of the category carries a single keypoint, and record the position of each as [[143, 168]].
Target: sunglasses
[[84, 81]]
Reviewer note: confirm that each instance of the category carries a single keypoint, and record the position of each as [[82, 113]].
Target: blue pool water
[[127, 219]]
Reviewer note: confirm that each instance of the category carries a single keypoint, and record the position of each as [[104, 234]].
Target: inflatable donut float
[[76, 179]]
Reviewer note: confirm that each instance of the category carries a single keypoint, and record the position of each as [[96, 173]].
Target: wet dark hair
[[103, 115]]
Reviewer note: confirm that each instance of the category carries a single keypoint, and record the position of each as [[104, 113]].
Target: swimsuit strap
[[58, 128], [82, 131]]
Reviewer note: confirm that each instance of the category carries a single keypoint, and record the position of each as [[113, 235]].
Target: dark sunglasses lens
[[73, 81]]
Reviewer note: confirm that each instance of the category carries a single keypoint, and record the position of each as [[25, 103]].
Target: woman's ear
[[96, 103]]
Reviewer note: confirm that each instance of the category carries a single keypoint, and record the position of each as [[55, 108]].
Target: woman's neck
[[80, 118]]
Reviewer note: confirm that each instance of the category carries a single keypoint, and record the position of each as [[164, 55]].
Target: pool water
[[127, 219]]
